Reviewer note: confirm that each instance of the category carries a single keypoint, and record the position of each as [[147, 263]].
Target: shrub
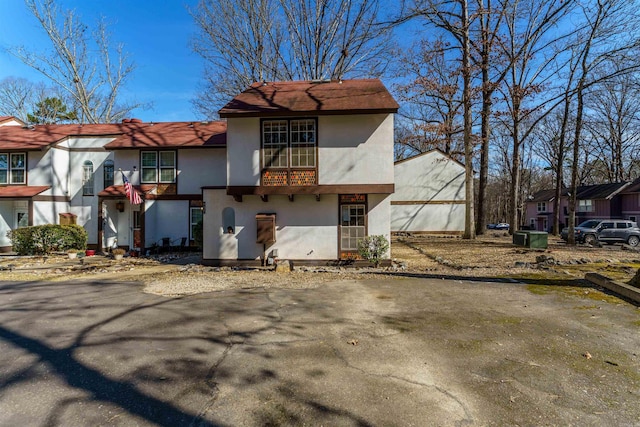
[[373, 248], [44, 239]]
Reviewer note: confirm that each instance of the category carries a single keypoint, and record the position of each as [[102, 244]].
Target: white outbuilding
[[429, 194]]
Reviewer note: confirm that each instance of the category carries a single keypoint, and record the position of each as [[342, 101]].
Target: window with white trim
[[195, 216], [352, 226], [585, 205], [158, 166], [542, 206], [108, 171], [13, 168], [87, 178]]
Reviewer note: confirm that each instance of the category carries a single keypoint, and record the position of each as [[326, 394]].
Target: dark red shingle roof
[[311, 97]]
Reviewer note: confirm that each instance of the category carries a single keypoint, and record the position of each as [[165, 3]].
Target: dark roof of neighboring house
[[311, 97], [134, 134], [585, 192], [26, 191]]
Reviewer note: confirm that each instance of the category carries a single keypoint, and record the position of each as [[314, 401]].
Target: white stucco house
[[429, 194], [299, 170], [309, 172], [51, 172]]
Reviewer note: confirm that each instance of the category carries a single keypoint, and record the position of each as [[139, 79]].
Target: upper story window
[[585, 205], [87, 178], [289, 143], [108, 171], [542, 206], [13, 168], [158, 166]]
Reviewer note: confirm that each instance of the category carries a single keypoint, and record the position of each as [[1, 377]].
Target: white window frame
[[586, 205], [87, 178], [302, 139], [352, 234], [542, 206], [159, 166], [192, 224], [9, 169], [289, 143]]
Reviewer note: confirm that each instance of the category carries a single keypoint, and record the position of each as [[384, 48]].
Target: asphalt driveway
[[393, 351]]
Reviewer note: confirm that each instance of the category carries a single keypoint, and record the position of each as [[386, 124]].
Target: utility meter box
[[266, 227]]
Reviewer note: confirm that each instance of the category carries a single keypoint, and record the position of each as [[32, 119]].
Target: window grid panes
[[87, 179], [585, 206], [303, 143], [167, 166], [108, 173], [542, 207], [274, 134], [4, 168], [196, 217], [149, 166], [17, 166], [352, 226]]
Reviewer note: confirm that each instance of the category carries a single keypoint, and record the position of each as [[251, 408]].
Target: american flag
[[132, 194]]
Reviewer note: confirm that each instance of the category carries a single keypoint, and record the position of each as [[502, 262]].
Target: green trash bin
[[537, 239], [520, 238]]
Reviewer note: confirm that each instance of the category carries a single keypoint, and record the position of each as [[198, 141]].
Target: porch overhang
[[22, 191], [311, 189]]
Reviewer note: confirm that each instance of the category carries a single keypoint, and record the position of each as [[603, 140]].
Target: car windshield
[[592, 223]]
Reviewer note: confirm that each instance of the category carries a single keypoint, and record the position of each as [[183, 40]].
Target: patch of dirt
[[494, 255]]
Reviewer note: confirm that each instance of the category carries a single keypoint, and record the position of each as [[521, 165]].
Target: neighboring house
[[10, 121], [309, 172], [631, 201], [429, 194], [594, 202], [51, 173]]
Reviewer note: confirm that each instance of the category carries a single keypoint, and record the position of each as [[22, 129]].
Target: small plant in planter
[[373, 248], [118, 253], [72, 253]]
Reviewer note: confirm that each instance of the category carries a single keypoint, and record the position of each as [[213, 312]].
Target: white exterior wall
[[305, 229], [434, 185], [356, 149], [126, 160], [201, 167], [379, 217], [166, 218], [47, 212], [243, 151], [352, 149], [6, 221]]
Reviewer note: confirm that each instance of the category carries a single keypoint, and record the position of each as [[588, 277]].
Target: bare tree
[[83, 69], [244, 41], [607, 35], [18, 96], [432, 99], [613, 124]]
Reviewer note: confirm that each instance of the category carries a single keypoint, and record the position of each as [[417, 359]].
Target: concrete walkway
[[408, 351]]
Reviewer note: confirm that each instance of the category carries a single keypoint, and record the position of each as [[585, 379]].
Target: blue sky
[[156, 34]]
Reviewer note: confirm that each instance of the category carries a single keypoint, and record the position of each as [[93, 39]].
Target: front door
[[137, 235], [352, 228]]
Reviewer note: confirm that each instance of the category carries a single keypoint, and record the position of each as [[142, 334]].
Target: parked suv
[[606, 231]]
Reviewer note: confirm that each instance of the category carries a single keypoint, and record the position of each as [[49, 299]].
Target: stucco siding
[[201, 167], [166, 218], [428, 218], [379, 216], [429, 194], [305, 229], [243, 151], [6, 221], [355, 149]]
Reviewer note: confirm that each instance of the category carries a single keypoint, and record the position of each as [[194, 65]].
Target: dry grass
[[494, 255]]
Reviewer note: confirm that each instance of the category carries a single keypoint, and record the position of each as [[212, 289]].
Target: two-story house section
[[309, 172], [51, 173], [168, 164]]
